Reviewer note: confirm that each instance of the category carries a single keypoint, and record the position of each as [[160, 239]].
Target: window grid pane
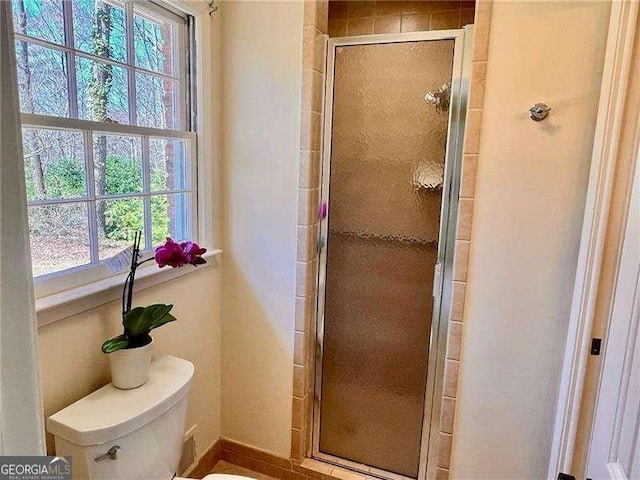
[[161, 108], [70, 51], [122, 212]]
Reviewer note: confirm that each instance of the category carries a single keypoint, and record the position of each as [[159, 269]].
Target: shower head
[[439, 98]]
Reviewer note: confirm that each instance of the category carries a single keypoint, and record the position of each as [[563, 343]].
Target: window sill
[[77, 300]]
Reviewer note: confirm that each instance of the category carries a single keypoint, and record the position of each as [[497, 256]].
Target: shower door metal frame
[[446, 242]]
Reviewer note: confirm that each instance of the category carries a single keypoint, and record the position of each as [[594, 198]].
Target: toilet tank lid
[[110, 413]]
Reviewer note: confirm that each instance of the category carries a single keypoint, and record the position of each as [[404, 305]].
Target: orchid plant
[[139, 321]]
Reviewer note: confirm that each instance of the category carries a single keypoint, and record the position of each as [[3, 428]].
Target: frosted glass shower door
[[385, 187]]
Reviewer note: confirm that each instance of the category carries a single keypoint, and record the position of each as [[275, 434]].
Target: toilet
[[137, 434]]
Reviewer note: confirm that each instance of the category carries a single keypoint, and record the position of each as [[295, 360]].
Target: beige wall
[[530, 191], [73, 365], [261, 68]]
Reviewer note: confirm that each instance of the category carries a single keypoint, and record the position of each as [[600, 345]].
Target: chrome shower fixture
[[439, 98]]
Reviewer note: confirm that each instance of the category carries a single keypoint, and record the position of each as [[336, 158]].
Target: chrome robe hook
[[539, 112]]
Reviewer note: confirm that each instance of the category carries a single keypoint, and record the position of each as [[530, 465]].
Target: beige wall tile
[[300, 348], [422, 6], [308, 377], [469, 169], [319, 51], [445, 20], [461, 261], [310, 13], [297, 444], [450, 378], [478, 80], [338, 9], [337, 27], [306, 274], [447, 415], [311, 347], [447, 4], [309, 176], [299, 381], [415, 23], [307, 243], [386, 24], [360, 26], [481, 34], [444, 450], [310, 130], [312, 90], [472, 131], [454, 340], [458, 291], [298, 412], [308, 201], [308, 408], [442, 474], [359, 8], [465, 217], [308, 50], [322, 15], [312, 49], [305, 309], [412, 7], [387, 7], [467, 15]]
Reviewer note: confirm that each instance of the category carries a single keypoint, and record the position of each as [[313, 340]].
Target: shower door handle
[[437, 280]]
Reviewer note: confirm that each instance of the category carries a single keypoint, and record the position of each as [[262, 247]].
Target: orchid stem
[[145, 261], [127, 293]]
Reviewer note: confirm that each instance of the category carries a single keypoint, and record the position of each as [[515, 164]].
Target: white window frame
[[60, 287]]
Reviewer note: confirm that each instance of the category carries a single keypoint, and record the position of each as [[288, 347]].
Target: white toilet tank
[[146, 423]]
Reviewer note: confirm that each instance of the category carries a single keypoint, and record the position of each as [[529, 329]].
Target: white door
[[614, 451]]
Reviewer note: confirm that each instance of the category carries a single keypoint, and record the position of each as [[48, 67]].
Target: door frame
[[616, 375], [607, 141], [448, 220]]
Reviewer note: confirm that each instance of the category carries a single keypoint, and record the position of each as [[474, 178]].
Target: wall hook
[[539, 112]]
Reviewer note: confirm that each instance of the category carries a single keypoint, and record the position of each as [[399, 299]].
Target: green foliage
[[123, 175], [65, 178], [138, 323], [159, 219]]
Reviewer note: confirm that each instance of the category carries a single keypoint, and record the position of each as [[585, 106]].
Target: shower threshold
[[360, 468]]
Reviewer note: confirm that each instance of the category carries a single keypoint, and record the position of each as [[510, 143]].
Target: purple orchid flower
[[179, 254]]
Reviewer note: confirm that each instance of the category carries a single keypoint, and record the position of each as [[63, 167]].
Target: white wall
[[261, 81], [530, 197]]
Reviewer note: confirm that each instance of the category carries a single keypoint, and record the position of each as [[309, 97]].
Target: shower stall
[[394, 122]]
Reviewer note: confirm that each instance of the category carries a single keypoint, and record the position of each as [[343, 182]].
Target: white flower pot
[[130, 366]]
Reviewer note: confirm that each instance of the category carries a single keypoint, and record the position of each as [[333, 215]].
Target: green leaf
[[141, 320], [115, 343], [158, 315], [161, 321], [134, 323]]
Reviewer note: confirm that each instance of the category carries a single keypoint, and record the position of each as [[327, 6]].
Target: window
[[107, 140]]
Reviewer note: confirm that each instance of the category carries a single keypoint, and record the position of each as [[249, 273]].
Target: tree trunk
[[32, 137], [97, 99]]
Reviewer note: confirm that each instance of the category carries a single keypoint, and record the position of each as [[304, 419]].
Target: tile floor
[[231, 469]]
